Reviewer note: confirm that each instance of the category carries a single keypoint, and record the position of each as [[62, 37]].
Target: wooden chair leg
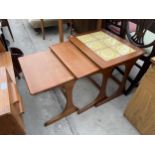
[[140, 74], [99, 24], [61, 32], [10, 30], [42, 28], [17, 73], [70, 107]]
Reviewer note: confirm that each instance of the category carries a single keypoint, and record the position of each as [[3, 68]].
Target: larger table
[[81, 56]]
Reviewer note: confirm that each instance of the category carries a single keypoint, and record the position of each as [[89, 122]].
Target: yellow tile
[[86, 38], [107, 54], [111, 42], [123, 49], [95, 45], [99, 35], [104, 45]]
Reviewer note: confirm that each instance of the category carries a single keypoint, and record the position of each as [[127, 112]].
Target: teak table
[[82, 56]]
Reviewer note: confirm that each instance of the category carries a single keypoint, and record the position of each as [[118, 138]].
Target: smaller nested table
[[64, 63], [44, 71]]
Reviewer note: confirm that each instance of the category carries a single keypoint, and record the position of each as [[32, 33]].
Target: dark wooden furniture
[[4, 22], [151, 28], [69, 61], [139, 39], [15, 54], [87, 25], [115, 26], [141, 109], [118, 26], [2, 38], [11, 106]]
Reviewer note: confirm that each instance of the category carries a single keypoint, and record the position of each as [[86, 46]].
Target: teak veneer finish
[[43, 71], [6, 60], [10, 107], [107, 67], [2, 48], [69, 108], [74, 60], [67, 62], [106, 75], [4, 92]]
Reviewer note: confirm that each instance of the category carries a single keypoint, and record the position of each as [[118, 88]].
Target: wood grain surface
[[4, 93], [74, 59], [141, 109], [2, 49], [43, 71], [6, 60]]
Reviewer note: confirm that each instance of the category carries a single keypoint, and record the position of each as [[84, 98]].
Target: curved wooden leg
[[102, 94], [120, 90], [70, 107], [42, 28], [99, 24], [128, 67]]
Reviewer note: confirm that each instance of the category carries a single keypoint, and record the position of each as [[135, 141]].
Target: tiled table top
[[105, 46]]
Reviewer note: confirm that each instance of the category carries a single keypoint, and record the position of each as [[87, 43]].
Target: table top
[[74, 60], [43, 71], [105, 48]]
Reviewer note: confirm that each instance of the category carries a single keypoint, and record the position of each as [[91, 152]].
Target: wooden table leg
[[102, 97], [106, 74], [61, 32], [70, 107], [42, 28], [99, 24], [120, 90], [9, 29]]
